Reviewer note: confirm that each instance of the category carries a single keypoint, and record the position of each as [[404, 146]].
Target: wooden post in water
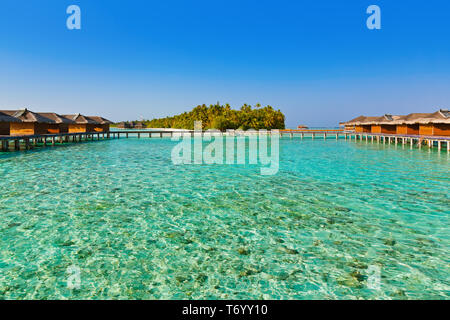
[[139, 135], [17, 144], [5, 145]]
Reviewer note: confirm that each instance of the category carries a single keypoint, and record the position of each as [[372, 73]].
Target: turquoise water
[[139, 227]]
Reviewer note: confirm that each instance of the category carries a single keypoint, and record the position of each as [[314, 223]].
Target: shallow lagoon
[[138, 226]]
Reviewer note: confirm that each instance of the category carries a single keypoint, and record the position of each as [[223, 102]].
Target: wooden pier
[[27, 142], [439, 142]]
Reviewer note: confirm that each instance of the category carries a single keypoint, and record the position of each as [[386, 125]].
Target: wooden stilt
[[5, 145]]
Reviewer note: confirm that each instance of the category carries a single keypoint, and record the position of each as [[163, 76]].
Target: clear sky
[[314, 60]]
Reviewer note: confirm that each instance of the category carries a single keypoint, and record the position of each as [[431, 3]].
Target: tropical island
[[219, 117]]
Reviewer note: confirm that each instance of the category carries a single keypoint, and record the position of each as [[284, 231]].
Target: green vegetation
[[222, 117]]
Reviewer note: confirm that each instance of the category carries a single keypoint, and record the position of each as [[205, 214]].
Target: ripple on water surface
[[336, 214]]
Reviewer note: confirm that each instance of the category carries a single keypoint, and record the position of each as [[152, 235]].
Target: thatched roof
[[100, 120], [386, 119], [441, 116], [359, 120], [4, 117], [138, 125], [55, 117], [26, 115], [79, 118]]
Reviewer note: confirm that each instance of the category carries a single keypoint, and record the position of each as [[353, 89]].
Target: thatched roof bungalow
[[102, 124], [124, 125], [359, 124], [138, 125], [80, 123], [5, 123], [437, 124], [60, 124], [30, 123]]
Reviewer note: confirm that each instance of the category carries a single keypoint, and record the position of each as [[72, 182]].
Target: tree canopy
[[223, 117]]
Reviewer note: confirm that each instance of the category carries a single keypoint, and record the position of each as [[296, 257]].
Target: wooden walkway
[[28, 142], [412, 140]]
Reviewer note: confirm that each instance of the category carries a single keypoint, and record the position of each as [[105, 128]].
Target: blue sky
[[314, 60]]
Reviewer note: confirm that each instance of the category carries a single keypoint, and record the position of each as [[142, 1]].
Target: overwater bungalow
[[139, 125], [5, 123], [60, 124], [30, 123], [124, 125], [102, 124], [427, 124], [383, 124], [80, 123], [359, 124]]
